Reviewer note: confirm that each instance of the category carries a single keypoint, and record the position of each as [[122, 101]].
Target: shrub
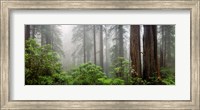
[[117, 81], [87, 74], [155, 81], [42, 65], [168, 76], [120, 68], [91, 74], [139, 81], [104, 81], [109, 81]]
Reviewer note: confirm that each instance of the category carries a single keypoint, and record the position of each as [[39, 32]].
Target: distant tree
[[162, 48], [119, 33], [94, 32], [155, 57], [101, 46], [167, 46], [27, 32], [49, 34], [33, 28], [121, 41], [84, 44], [107, 48], [82, 36]]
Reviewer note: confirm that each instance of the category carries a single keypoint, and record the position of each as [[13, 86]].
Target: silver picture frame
[[8, 5]]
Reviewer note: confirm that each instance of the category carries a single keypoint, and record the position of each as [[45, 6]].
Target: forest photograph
[[99, 54]]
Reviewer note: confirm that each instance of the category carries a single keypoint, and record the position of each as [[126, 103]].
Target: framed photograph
[[66, 54]]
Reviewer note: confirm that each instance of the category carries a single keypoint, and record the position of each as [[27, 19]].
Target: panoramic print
[[100, 54]]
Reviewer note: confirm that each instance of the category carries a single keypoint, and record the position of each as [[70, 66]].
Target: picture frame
[[7, 6]]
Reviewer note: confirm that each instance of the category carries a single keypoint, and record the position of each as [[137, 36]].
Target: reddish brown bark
[[150, 61], [135, 50]]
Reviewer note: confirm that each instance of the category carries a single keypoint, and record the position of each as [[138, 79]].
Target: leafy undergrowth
[[42, 67], [90, 74], [168, 76]]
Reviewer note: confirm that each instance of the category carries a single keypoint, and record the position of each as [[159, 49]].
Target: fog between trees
[[121, 51]]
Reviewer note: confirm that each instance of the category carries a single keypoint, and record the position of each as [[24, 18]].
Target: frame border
[[8, 5]]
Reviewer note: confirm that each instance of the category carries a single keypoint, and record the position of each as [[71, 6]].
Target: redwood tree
[[150, 59], [135, 50]]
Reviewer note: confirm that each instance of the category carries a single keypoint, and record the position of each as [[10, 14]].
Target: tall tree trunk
[[161, 56], [48, 35], [121, 46], [116, 51], [106, 54], [161, 48], [135, 50], [27, 32], [33, 31], [165, 46], [121, 42], [101, 46], [94, 32], [84, 44], [150, 51], [48, 39], [146, 53], [156, 61], [169, 49], [168, 45], [40, 28], [51, 36]]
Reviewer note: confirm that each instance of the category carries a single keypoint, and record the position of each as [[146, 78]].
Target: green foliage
[[42, 65], [91, 74], [168, 76], [155, 81], [109, 81], [168, 81], [117, 81], [120, 68], [42, 80], [104, 81], [50, 32], [138, 81], [87, 74]]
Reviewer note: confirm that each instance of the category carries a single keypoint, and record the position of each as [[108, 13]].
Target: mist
[[124, 52]]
